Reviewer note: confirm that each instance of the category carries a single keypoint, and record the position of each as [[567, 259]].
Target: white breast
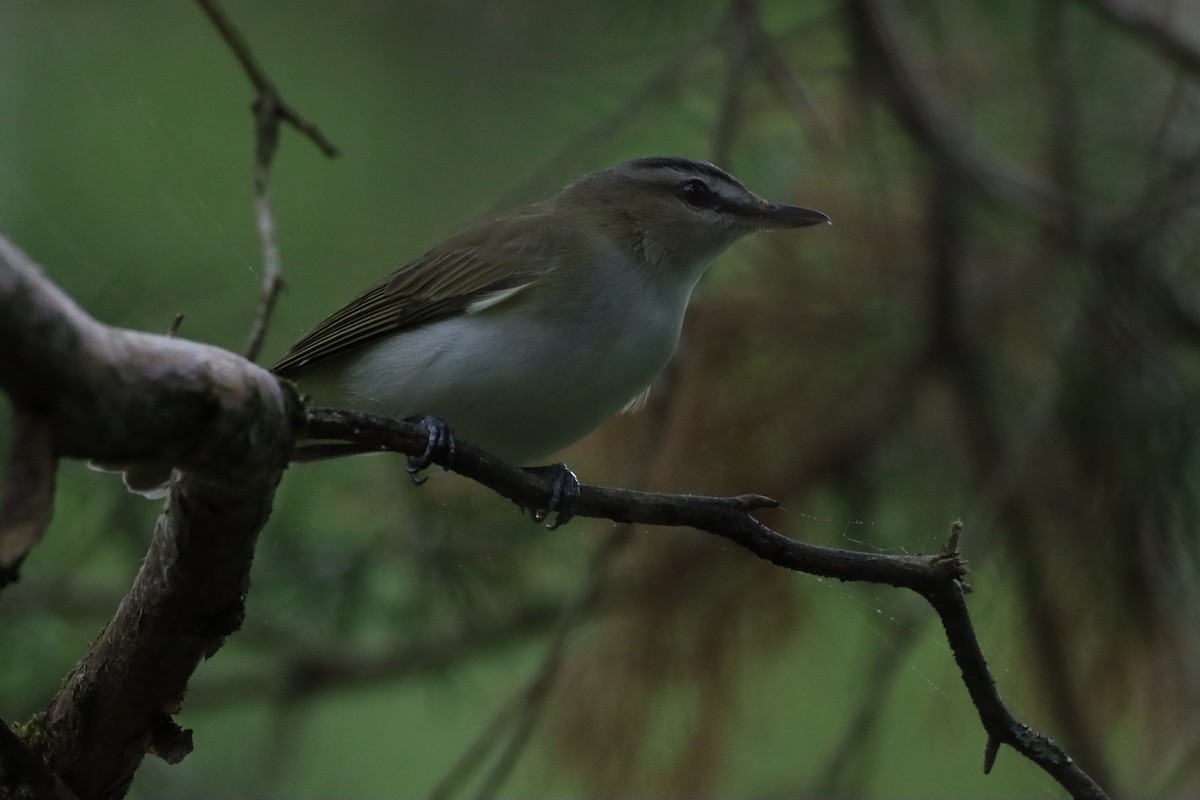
[[524, 381]]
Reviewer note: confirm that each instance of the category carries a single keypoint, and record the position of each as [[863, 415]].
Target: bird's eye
[[696, 193]]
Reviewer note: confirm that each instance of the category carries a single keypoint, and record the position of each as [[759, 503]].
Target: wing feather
[[473, 270], [638, 401]]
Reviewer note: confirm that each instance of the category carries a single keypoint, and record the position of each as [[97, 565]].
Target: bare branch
[[270, 109], [264, 215], [125, 396], [226, 427], [262, 83], [937, 578]]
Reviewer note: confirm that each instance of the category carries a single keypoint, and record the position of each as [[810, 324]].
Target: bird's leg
[[440, 446], [563, 496]]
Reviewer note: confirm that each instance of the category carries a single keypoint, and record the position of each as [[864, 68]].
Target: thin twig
[[270, 109], [262, 83], [267, 136]]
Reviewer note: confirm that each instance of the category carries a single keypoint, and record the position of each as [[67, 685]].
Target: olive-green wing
[[472, 270]]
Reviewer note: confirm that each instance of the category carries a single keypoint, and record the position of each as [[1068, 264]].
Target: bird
[[524, 331]]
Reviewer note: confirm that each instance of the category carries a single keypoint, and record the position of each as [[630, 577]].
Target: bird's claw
[[440, 447], [564, 495]]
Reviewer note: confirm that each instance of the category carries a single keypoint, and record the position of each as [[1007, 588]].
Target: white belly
[[522, 388]]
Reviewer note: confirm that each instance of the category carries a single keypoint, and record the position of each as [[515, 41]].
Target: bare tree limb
[[270, 110], [227, 427], [937, 578]]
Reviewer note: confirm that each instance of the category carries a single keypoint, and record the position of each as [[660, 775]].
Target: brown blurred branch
[[1104, 238], [270, 110], [937, 578], [738, 35], [928, 120], [1136, 19], [126, 397], [307, 673]]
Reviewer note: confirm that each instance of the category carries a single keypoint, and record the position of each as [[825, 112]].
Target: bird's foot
[[563, 496], [440, 447]]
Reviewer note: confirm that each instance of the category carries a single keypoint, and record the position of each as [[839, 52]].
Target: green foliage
[[941, 351]]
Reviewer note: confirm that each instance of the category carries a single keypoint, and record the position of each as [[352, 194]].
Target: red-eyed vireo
[[526, 330]]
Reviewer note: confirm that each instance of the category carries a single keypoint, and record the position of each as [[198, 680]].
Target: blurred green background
[[963, 343]]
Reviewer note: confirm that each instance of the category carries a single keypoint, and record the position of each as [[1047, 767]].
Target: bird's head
[[676, 214]]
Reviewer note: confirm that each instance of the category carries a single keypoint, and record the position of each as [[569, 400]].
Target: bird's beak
[[777, 215]]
